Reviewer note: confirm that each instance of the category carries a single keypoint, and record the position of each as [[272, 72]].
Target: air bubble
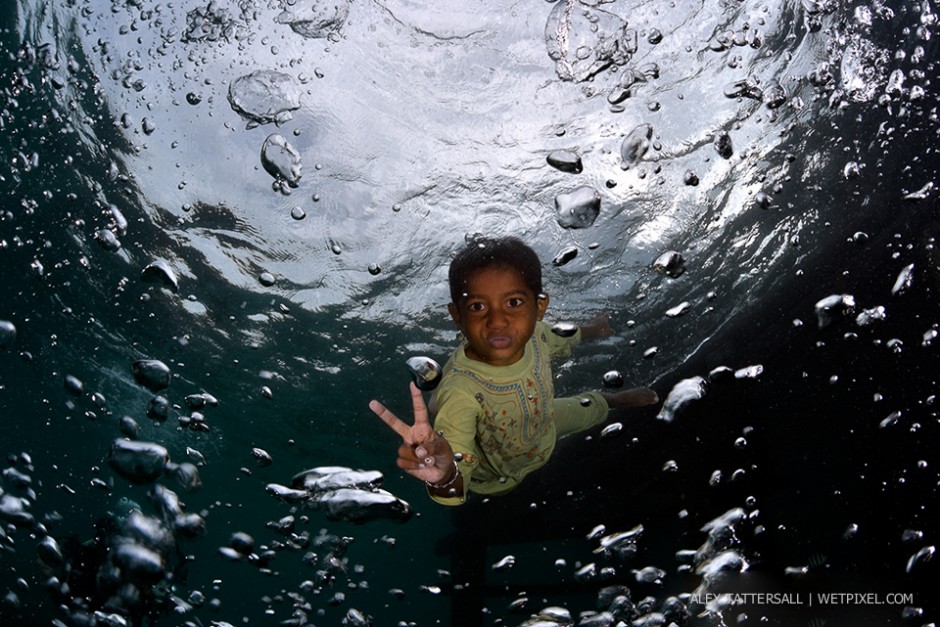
[[577, 209], [425, 372]]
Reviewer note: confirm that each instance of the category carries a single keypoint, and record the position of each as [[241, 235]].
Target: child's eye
[[515, 302], [476, 307]]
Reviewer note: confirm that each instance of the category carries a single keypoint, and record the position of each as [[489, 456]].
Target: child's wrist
[[449, 482]]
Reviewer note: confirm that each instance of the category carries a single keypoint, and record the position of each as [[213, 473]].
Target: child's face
[[497, 316]]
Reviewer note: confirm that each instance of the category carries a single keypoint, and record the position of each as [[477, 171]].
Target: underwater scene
[[226, 227]]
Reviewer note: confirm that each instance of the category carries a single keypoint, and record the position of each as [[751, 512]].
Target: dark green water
[[417, 125]]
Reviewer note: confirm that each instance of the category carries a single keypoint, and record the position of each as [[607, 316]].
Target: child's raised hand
[[423, 454]]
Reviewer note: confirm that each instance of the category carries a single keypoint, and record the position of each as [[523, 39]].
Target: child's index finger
[[390, 419]]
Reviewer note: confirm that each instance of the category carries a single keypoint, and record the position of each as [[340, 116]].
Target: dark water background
[[416, 125]]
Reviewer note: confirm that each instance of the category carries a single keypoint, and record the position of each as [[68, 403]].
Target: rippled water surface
[[226, 226]]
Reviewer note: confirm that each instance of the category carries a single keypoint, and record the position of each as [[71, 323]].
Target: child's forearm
[[597, 328]]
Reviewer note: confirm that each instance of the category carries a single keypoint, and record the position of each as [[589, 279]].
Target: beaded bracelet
[[449, 483]]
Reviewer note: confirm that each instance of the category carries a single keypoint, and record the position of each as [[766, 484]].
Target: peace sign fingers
[[390, 419], [412, 435]]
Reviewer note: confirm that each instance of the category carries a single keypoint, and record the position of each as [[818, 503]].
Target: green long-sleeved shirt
[[501, 419]]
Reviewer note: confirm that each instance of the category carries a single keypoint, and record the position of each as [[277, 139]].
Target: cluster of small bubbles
[[343, 493], [585, 42], [195, 421]]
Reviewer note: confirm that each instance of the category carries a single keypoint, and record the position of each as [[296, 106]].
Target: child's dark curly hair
[[502, 252]]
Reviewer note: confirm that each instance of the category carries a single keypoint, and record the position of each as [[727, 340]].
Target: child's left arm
[[597, 328]]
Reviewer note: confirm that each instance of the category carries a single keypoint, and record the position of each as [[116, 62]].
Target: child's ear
[[541, 304], [454, 313]]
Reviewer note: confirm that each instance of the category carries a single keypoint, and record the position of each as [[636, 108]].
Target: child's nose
[[496, 319]]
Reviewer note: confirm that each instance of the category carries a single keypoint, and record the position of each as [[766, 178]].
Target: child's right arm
[[423, 454]]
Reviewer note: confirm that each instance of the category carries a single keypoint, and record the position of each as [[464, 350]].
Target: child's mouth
[[500, 342]]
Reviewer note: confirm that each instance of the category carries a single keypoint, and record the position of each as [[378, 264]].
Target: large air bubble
[[579, 208], [282, 161], [264, 96]]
